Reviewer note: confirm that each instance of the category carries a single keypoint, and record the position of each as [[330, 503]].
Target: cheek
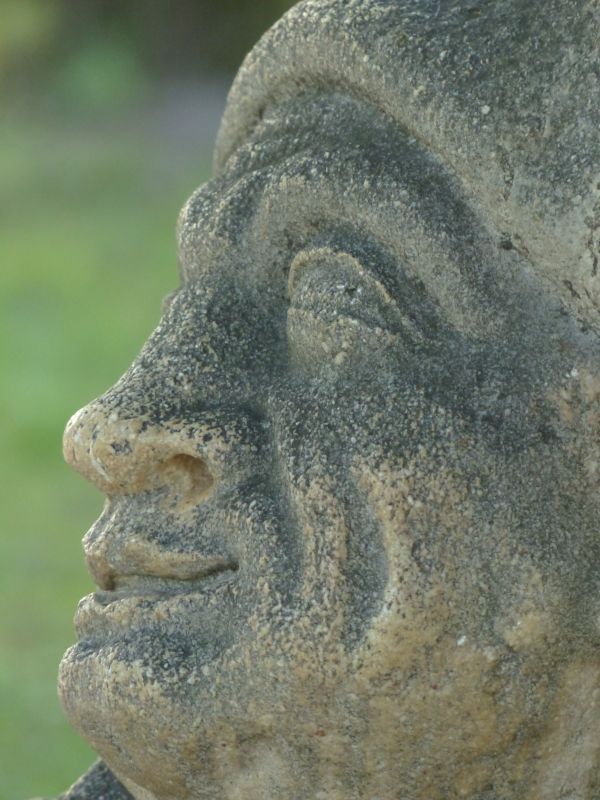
[[323, 527], [343, 563], [342, 534], [421, 510]]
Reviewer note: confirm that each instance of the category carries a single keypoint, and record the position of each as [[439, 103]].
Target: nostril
[[200, 476], [188, 478], [129, 455]]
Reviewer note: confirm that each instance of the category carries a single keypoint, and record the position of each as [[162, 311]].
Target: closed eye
[[341, 261], [334, 295], [334, 285]]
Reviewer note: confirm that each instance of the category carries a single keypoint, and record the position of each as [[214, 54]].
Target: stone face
[[351, 542]]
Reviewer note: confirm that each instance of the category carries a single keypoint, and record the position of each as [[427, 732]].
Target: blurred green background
[[108, 114]]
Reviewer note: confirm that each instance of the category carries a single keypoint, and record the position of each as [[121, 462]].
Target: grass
[[87, 218]]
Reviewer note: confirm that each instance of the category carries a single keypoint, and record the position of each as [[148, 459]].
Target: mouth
[[131, 600], [138, 601], [158, 587]]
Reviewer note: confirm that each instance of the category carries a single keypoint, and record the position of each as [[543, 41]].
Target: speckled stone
[[351, 544], [98, 783]]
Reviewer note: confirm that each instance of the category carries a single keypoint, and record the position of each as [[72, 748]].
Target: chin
[[138, 719], [183, 730]]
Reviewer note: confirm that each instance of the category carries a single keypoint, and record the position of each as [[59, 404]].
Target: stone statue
[[351, 544]]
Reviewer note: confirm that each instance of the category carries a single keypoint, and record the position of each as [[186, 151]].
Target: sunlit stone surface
[[351, 547]]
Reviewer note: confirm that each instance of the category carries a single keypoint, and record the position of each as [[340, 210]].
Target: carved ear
[[98, 782]]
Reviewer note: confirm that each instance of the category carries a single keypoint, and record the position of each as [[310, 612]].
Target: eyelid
[[306, 257]]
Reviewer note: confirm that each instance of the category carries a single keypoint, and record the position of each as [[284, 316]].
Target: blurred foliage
[[104, 74], [44, 39], [27, 27]]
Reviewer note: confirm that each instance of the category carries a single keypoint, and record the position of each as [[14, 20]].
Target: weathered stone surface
[[98, 783], [351, 542]]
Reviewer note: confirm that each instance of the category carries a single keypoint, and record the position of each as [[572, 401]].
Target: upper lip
[[178, 567], [116, 558]]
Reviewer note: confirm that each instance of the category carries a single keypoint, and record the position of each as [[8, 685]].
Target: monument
[[351, 543]]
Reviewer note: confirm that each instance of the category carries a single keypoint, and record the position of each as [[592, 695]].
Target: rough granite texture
[[98, 783], [351, 542]]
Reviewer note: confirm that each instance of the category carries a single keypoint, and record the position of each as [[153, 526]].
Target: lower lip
[[105, 612], [164, 589]]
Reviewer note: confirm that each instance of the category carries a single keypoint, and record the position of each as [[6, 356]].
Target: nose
[[127, 455]]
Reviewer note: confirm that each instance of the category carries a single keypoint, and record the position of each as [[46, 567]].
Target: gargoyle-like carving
[[351, 544]]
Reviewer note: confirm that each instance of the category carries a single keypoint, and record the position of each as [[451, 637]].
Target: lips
[[209, 573], [140, 581], [169, 571], [137, 601], [125, 560]]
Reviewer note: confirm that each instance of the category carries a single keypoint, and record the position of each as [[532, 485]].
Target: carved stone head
[[351, 542]]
